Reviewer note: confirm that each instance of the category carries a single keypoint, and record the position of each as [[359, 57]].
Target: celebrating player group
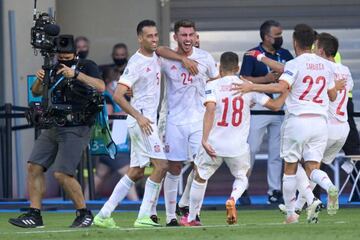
[[205, 118]]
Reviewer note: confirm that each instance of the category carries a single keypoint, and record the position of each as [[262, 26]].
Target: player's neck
[[268, 48], [302, 51], [145, 52], [182, 53], [226, 74]]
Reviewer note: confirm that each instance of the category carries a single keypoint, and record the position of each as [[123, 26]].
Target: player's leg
[[176, 150], [122, 188], [152, 189], [154, 151], [313, 153], [238, 167], [290, 151], [305, 188], [274, 163], [171, 184], [256, 134], [205, 168]]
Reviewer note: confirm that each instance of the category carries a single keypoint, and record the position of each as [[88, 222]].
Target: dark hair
[[329, 43], [304, 36], [184, 23], [81, 38], [266, 26], [144, 23], [229, 61], [119, 45]]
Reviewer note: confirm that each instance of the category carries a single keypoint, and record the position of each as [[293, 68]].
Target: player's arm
[[274, 65], [276, 104], [168, 53], [119, 98], [246, 86], [208, 121]]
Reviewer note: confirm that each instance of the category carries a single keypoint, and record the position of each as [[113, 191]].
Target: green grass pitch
[[252, 224]]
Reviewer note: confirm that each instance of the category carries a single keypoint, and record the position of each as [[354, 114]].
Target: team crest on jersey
[[126, 71], [288, 73], [173, 67], [157, 148]]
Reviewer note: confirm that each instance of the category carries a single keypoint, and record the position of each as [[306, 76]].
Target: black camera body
[[78, 103], [44, 36]]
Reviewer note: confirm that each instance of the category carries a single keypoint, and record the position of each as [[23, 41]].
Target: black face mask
[[83, 54], [278, 41], [68, 63], [120, 61]]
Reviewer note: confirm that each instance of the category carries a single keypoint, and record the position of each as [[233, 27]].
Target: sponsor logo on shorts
[[208, 92]]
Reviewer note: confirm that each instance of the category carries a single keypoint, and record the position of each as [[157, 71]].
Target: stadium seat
[[353, 172]]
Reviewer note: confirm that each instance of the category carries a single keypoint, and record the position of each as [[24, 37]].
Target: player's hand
[[340, 84], [66, 71], [208, 148], [190, 65], [40, 74], [272, 77], [256, 54], [145, 124], [241, 88]]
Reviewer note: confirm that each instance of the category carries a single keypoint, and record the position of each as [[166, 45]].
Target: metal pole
[[2, 68], [90, 176], [20, 180], [8, 153]]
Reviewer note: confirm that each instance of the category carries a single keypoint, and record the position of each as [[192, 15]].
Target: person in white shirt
[[142, 75], [326, 46], [226, 116], [185, 95], [310, 80]]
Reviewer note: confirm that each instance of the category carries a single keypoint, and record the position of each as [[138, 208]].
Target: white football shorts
[[144, 147], [303, 137]]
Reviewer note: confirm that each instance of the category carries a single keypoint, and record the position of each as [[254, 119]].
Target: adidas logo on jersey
[[148, 69], [173, 67]]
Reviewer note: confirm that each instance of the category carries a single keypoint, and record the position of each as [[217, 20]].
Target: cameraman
[[62, 146]]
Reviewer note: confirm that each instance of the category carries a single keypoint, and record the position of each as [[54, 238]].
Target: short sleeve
[[130, 75], [91, 69], [260, 98], [213, 71], [290, 73], [210, 95], [247, 66]]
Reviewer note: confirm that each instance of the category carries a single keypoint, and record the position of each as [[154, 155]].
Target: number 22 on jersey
[[310, 81], [235, 111]]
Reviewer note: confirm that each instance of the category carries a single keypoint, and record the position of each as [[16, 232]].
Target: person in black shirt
[[258, 72], [61, 147]]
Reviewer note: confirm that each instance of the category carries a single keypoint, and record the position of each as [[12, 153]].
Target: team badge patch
[[157, 148]]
